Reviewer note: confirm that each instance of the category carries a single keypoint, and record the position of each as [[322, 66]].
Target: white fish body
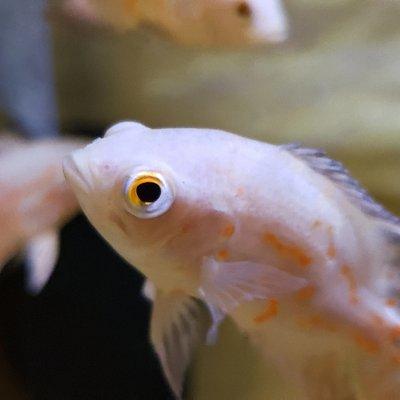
[[280, 238], [201, 22], [34, 203]]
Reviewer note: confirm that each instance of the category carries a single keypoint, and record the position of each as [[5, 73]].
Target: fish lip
[[73, 174]]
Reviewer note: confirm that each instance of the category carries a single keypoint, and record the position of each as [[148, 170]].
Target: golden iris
[[145, 189]]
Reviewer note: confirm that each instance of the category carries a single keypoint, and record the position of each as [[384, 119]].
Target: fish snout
[[75, 173]]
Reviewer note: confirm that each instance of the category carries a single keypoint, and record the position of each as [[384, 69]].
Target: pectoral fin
[[226, 285], [178, 325], [41, 258]]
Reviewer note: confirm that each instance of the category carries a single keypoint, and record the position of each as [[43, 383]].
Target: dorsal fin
[[317, 160]]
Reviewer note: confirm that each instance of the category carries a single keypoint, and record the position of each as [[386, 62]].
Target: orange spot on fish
[[227, 231], [240, 192], [316, 224], [288, 250], [392, 302], [348, 275], [394, 334], [367, 344], [331, 252], [222, 255], [306, 293], [271, 310]]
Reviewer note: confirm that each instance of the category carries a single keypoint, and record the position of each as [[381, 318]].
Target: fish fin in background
[[226, 285], [317, 160], [149, 290], [178, 326], [41, 257]]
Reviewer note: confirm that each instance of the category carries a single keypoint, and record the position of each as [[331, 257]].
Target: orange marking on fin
[[271, 310], [392, 302], [369, 345], [348, 274], [228, 231], [287, 250], [306, 293], [222, 255]]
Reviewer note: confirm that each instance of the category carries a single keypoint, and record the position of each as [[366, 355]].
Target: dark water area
[[86, 335]]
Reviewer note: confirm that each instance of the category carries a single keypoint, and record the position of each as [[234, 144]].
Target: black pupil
[[148, 192]]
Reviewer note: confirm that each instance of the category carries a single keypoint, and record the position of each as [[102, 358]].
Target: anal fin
[[178, 325]]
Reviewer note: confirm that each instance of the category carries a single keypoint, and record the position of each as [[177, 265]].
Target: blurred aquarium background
[[334, 83]]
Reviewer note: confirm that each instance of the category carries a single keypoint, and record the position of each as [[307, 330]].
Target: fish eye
[[243, 9], [147, 194]]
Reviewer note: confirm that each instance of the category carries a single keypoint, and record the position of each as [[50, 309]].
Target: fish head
[[160, 197]]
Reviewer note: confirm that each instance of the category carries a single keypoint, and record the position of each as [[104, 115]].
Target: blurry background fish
[[34, 203], [334, 83], [201, 22]]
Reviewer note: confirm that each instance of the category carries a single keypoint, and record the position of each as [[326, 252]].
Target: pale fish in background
[[201, 22], [279, 238], [34, 203]]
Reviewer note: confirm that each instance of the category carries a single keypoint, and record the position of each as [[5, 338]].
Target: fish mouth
[[74, 175]]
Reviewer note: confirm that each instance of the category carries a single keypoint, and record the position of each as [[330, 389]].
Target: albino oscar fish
[[279, 238], [192, 22], [34, 203]]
